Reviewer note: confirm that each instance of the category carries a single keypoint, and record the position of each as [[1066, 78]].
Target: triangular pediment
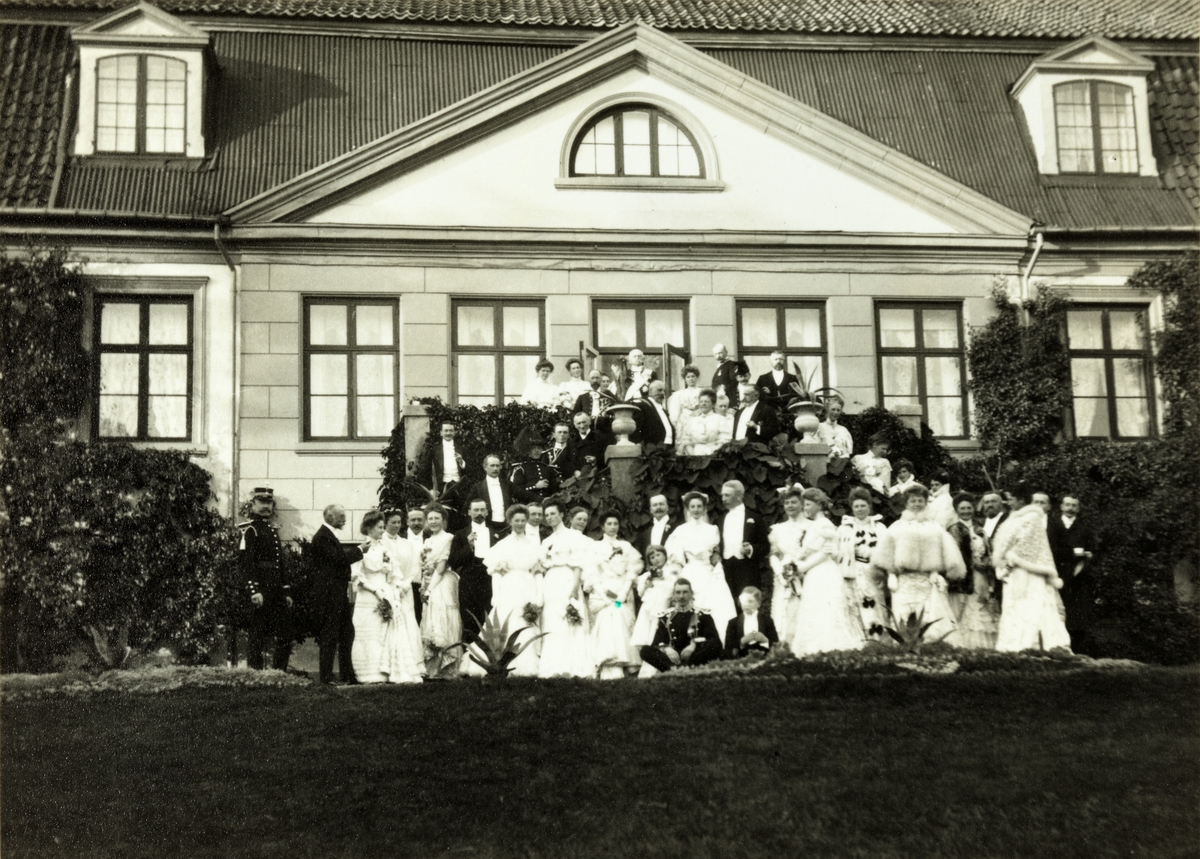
[[141, 24], [1090, 55], [497, 159]]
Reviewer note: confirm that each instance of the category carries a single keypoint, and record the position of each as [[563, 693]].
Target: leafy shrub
[[1177, 345]]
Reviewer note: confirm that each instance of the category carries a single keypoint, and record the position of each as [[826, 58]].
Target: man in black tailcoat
[[466, 558], [659, 528], [775, 387], [728, 370], [1073, 544], [587, 444], [755, 420], [495, 489], [334, 609], [744, 546], [653, 424]]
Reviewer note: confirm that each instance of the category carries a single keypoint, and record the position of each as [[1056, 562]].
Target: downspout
[[235, 452], [1038, 234], [64, 129]]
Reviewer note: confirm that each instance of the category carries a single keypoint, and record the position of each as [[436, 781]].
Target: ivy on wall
[[1177, 344]]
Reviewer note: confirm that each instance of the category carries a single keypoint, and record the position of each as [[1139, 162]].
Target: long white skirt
[[1029, 618], [823, 621]]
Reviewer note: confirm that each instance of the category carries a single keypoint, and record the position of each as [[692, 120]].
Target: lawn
[[1089, 764]]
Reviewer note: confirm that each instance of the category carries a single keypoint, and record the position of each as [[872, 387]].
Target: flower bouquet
[[385, 609], [573, 615], [792, 577], [531, 613]]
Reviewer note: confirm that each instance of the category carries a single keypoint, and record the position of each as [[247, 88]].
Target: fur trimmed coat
[[916, 543]]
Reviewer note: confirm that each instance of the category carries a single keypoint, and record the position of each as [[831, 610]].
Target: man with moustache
[[467, 551]]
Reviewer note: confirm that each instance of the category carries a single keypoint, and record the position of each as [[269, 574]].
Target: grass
[[1090, 764]]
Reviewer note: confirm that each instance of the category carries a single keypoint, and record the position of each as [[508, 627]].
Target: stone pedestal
[[814, 456], [622, 460], [416, 430], [910, 415]]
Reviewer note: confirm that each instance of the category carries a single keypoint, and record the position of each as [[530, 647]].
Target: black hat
[[265, 493]]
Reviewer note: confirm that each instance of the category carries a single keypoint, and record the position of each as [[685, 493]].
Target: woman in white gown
[[827, 620], [610, 601], [919, 555], [704, 431], [541, 391], [1029, 617], [786, 539], [979, 617], [682, 404], [858, 535], [692, 550], [515, 565], [654, 586], [385, 649], [441, 620], [567, 556], [574, 387]]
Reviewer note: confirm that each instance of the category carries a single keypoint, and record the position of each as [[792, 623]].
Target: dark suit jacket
[[437, 466], [650, 427], [579, 449], [583, 403], [672, 629], [754, 532], [776, 395], [764, 416], [641, 540], [479, 490], [1064, 541], [525, 477], [736, 629], [330, 560], [726, 377], [559, 462], [462, 555]]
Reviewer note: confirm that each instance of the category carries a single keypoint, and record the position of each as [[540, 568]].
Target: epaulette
[[702, 611]]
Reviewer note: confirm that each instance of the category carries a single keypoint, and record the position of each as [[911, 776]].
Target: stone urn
[[807, 420], [622, 421]]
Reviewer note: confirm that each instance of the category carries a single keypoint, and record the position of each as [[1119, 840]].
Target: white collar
[[492, 479]]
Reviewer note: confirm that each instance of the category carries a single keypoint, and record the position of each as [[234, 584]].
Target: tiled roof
[[33, 67], [1116, 19], [284, 103]]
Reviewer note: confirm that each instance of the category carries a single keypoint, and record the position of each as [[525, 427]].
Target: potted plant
[[808, 402]]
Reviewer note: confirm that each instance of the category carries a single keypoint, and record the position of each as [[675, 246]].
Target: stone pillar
[[416, 430], [911, 415], [622, 460], [814, 457]]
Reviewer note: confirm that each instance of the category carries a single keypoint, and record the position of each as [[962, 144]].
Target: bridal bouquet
[[574, 618], [385, 609], [531, 613], [792, 577]]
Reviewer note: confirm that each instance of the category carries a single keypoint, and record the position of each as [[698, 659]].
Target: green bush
[[1177, 345]]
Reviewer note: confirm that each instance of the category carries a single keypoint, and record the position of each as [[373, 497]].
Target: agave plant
[[496, 648], [911, 634], [804, 390]]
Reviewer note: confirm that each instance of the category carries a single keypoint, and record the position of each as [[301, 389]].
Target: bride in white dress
[[515, 565], [610, 601], [692, 549], [568, 556], [386, 642], [702, 432], [827, 620], [786, 540]]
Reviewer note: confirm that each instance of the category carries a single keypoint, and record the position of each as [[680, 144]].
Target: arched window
[[633, 140], [1095, 127], [141, 104]]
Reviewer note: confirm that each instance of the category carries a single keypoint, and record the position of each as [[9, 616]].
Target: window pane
[[676, 157], [1133, 417], [522, 326], [373, 374], [327, 324], [118, 374], [1091, 417], [596, 154], [518, 371], [945, 416], [476, 381], [759, 328], [118, 416], [1129, 377], [476, 326], [940, 329], [373, 325], [167, 417], [328, 417], [664, 326], [943, 376], [1073, 119], [1083, 329], [637, 142], [758, 365], [168, 324], [900, 378], [897, 328], [1087, 377], [328, 375], [1125, 331], [375, 416], [168, 374], [120, 323], [616, 327], [810, 365], [802, 326]]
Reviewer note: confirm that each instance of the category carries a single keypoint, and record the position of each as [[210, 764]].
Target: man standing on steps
[[726, 377]]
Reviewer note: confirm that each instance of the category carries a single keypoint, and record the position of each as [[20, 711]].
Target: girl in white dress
[[703, 432], [786, 539], [567, 556], [919, 555], [692, 549], [383, 649], [858, 535], [827, 620], [1029, 617], [441, 621], [541, 391], [682, 404], [654, 586], [575, 386], [610, 601], [515, 565]]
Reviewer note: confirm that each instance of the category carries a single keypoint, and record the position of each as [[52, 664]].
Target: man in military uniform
[[260, 557], [685, 634]]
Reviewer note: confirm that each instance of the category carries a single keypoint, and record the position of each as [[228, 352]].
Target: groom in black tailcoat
[[744, 546], [466, 558]]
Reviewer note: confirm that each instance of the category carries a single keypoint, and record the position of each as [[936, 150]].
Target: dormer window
[[1096, 128], [1086, 106], [141, 104], [141, 85]]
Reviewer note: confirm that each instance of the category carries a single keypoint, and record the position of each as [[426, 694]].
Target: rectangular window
[[620, 326], [1095, 128], [795, 328], [141, 104], [350, 349], [497, 343], [921, 362], [143, 381], [1110, 372]]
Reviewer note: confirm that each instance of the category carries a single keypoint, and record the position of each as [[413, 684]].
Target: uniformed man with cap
[[260, 557]]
